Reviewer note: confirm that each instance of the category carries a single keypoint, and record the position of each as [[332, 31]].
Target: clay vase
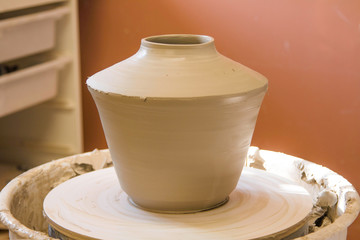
[[178, 119]]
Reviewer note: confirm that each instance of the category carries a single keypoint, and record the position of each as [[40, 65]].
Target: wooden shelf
[[37, 133]]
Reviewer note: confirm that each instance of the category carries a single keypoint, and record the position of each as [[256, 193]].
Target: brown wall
[[309, 50]]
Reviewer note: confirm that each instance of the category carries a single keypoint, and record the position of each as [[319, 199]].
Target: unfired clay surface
[[94, 206], [177, 66], [178, 155], [178, 119]]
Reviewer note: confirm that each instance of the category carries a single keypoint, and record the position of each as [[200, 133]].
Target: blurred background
[[308, 50]]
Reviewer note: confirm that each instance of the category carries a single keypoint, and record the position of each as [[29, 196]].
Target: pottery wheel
[[93, 206]]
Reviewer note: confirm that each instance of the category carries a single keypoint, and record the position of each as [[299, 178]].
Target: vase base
[[179, 211]]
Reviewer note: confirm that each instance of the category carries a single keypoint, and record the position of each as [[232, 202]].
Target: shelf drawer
[[29, 34], [30, 86], [12, 5]]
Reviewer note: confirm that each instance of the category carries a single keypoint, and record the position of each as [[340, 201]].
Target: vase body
[[178, 119]]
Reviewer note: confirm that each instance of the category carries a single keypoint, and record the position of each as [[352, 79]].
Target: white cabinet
[[40, 103]]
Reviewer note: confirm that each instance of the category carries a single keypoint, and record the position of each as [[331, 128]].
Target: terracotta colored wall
[[309, 50]]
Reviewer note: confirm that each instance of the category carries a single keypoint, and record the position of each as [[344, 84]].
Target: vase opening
[[179, 39]]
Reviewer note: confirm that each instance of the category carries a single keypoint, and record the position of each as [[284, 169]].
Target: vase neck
[[178, 44]]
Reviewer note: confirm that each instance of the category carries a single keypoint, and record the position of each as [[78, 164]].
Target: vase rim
[[177, 41]]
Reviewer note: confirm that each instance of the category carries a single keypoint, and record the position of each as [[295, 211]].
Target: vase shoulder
[[180, 71]]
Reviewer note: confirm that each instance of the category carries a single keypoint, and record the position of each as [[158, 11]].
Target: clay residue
[[334, 198], [81, 164], [324, 210], [336, 202], [254, 159], [21, 201]]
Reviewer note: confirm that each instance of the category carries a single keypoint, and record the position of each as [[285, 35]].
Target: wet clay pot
[[178, 119]]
